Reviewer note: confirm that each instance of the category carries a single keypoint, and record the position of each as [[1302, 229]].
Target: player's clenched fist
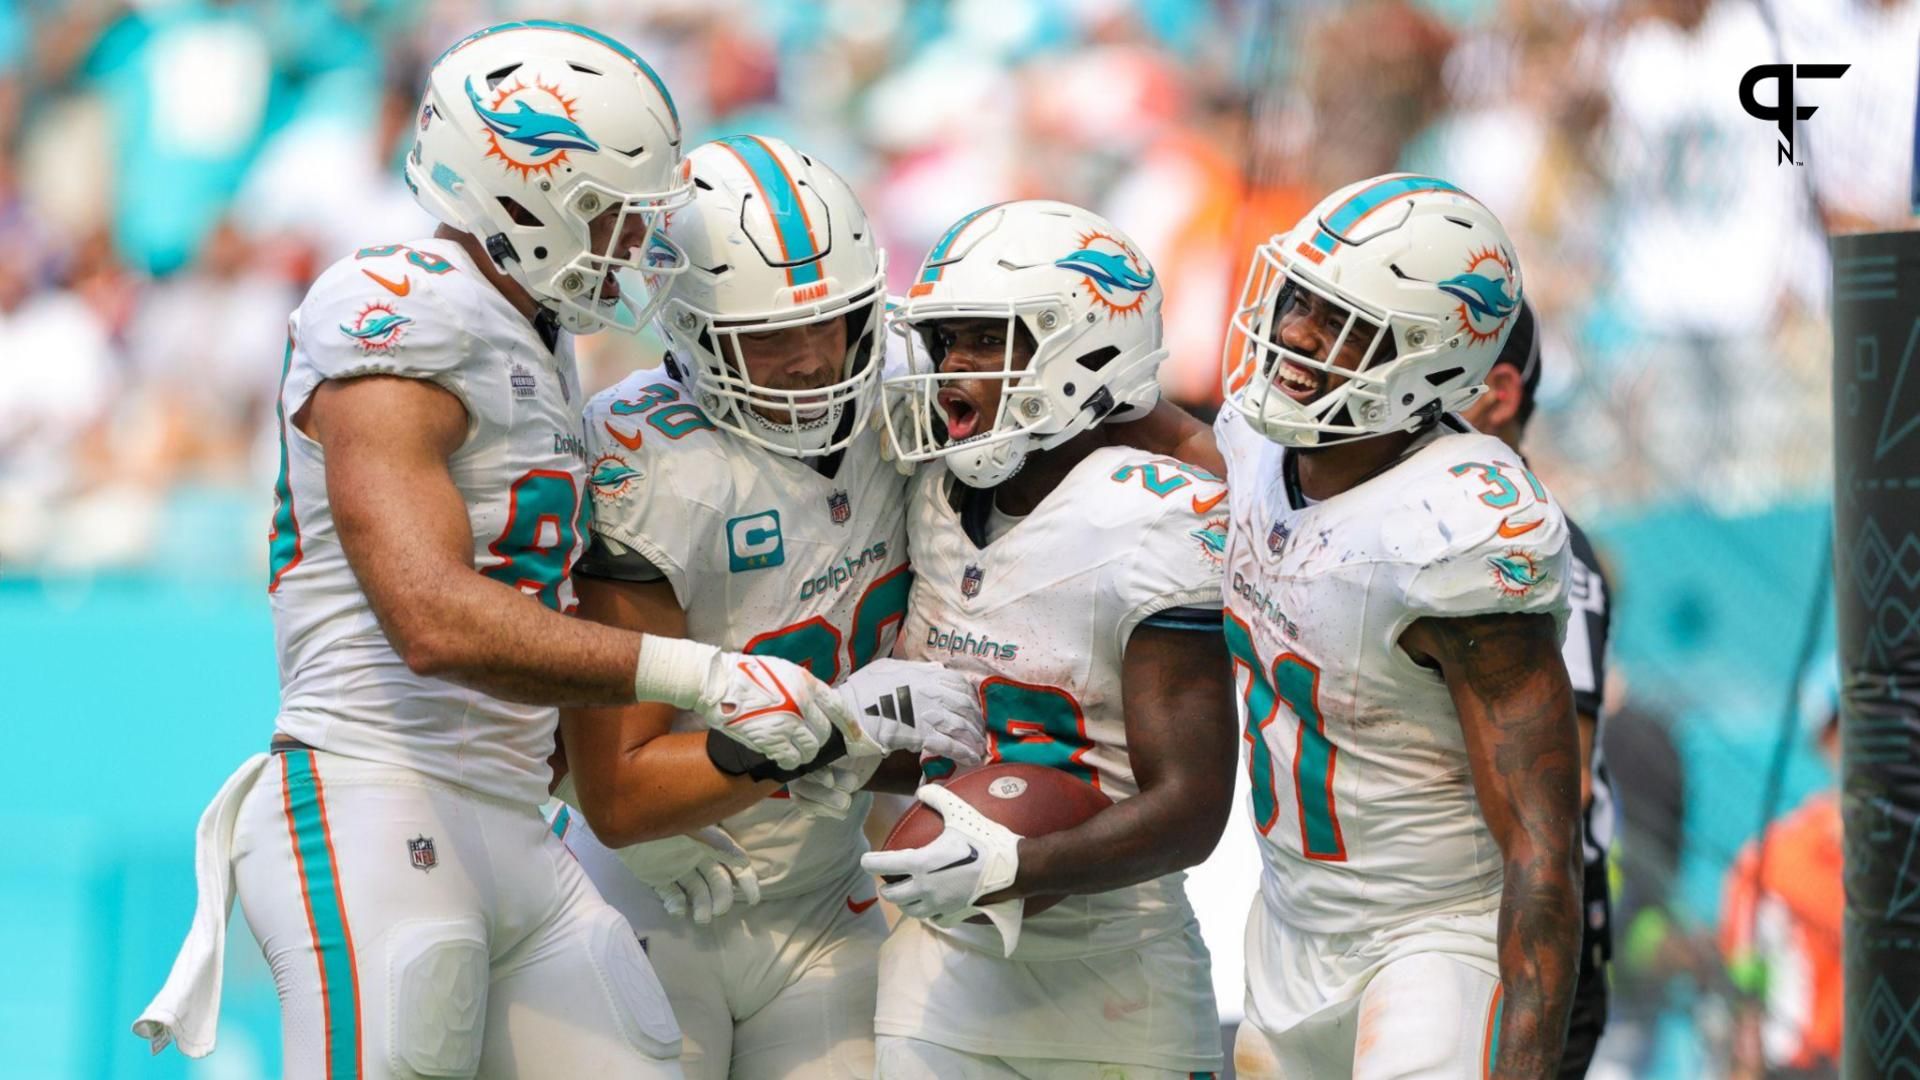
[[771, 706], [914, 705], [944, 881]]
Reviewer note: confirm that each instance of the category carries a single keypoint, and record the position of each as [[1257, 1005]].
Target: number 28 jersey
[[423, 311], [1360, 784], [1041, 617]]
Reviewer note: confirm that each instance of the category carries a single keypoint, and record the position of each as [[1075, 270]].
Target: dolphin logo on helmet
[[528, 126], [1485, 297], [1111, 272]]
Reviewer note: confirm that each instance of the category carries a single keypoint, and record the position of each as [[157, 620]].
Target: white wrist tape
[[672, 670]]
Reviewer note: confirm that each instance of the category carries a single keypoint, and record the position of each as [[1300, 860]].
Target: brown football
[[1030, 800]]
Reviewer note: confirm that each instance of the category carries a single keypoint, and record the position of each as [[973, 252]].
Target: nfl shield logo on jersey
[[970, 582], [420, 853], [839, 507], [1277, 539]]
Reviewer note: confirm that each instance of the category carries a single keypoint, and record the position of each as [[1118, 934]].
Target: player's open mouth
[[609, 289], [963, 418], [1299, 383]]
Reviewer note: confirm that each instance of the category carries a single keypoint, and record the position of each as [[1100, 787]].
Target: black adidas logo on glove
[[897, 706]]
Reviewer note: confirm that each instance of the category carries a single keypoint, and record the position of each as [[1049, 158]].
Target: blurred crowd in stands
[[173, 172]]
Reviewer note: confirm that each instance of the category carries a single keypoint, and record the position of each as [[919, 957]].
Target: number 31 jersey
[[423, 311], [1041, 616], [1360, 785], [765, 555]]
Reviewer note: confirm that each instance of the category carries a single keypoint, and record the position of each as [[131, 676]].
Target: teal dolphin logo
[[377, 328], [612, 473], [1112, 272], [1487, 299], [528, 126], [1213, 539], [1515, 572]]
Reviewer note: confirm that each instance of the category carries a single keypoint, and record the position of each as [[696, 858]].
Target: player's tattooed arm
[[1182, 736], [1510, 687], [404, 527]]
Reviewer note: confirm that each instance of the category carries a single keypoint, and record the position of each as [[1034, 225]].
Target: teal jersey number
[[283, 543], [813, 644], [1150, 478], [425, 260], [816, 644], [884, 604], [1501, 492], [542, 503], [674, 420], [1036, 725], [1295, 683]]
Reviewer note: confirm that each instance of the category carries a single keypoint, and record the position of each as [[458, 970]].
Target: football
[[1031, 800]]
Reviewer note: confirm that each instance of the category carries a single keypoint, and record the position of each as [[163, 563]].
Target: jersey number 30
[[1295, 683], [816, 644]]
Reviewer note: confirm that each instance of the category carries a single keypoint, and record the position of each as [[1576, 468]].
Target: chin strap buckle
[[500, 249]]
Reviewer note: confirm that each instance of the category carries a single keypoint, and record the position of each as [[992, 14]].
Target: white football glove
[[971, 857], [700, 874], [914, 705], [772, 706], [828, 791], [767, 704]]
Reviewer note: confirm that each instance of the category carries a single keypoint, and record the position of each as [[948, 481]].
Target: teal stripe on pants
[[326, 910]]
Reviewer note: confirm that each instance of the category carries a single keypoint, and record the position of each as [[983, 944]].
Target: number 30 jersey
[[423, 311], [1042, 616], [1360, 784], [765, 555]]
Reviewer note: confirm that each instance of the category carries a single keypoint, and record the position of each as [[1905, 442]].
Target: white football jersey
[[765, 555], [1042, 615], [1360, 787], [423, 310]]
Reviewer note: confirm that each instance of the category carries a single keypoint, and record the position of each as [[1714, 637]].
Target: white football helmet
[[774, 239], [1083, 291], [530, 130], [1421, 273]]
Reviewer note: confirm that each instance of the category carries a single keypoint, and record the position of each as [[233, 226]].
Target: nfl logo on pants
[[420, 853]]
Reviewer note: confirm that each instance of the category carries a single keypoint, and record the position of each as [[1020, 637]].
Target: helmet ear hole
[[1099, 358], [520, 214], [1440, 378]]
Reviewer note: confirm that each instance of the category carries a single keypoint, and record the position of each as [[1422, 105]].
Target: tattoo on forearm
[[1512, 675]]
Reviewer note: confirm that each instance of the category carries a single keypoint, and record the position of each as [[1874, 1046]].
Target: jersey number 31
[[1295, 683]]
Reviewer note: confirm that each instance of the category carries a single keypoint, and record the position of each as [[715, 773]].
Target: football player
[[1079, 580], [740, 499], [1396, 587], [1503, 412], [417, 914]]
